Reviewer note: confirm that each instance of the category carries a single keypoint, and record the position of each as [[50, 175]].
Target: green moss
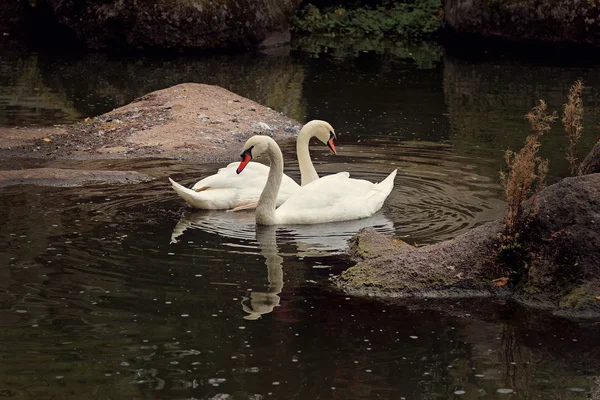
[[417, 19], [439, 280], [578, 298], [363, 249]]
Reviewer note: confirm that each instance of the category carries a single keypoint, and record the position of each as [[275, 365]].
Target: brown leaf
[[500, 281], [46, 140]]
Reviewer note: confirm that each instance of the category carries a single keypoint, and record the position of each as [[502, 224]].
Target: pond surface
[[122, 292]]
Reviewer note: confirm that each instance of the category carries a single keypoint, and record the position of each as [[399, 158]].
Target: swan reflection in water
[[309, 240], [260, 303]]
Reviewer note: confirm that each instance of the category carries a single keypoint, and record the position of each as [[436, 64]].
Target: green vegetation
[[579, 297], [425, 55], [414, 20]]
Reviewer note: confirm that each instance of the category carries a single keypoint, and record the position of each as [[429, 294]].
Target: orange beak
[[245, 160], [331, 145]]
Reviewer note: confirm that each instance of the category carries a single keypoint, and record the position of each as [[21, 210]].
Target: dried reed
[[572, 119]]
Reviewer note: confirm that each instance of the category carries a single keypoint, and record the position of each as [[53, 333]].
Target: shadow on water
[[122, 292]]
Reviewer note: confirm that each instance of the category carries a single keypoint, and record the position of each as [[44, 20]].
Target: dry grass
[[526, 171], [572, 119]]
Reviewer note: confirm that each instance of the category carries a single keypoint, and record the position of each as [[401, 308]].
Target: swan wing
[[226, 189], [335, 198], [226, 177]]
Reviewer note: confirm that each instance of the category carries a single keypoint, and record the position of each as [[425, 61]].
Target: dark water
[[121, 292]]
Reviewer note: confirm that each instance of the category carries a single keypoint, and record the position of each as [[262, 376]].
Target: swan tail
[[381, 191], [191, 196], [386, 185]]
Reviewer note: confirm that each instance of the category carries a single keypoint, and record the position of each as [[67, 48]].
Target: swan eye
[[332, 135], [247, 151]]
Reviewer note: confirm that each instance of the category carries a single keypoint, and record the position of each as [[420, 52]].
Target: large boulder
[[197, 24], [563, 239], [576, 21], [591, 163]]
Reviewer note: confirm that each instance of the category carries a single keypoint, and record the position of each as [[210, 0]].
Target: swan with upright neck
[[226, 190], [331, 198]]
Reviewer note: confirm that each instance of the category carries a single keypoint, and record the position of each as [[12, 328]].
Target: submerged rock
[[563, 239], [68, 177], [180, 24], [545, 20]]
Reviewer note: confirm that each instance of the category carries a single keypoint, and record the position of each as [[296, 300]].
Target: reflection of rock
[[24, 95], [547, 20], [53, 83], [563, 238], [169, 23], [67, 177], [260, 303], [487, 100]]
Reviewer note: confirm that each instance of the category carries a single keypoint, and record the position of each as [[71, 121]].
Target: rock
[[197, 124], [372, 244], [391, 269], [545, 20], [292, 129], [68, 177], [563, 239], [262, 126], [591, 163], [168, 24]]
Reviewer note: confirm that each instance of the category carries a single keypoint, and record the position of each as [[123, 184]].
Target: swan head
[[254, 146], [323, 131]]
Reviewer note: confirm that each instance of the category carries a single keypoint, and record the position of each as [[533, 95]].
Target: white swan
[[227, 190], [331, 198]]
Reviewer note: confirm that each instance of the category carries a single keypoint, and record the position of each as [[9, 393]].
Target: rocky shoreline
[[563, 239]]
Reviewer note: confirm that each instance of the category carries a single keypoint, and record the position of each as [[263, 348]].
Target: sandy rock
[[190, 121]]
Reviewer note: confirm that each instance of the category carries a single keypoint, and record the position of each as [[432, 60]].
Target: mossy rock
[[582, 298], [547, 20], [169, 24]]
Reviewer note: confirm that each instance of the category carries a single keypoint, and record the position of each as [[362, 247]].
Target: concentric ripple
[[437, 194]]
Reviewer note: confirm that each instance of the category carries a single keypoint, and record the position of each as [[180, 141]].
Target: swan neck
[[307, 169], [265, 210]]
